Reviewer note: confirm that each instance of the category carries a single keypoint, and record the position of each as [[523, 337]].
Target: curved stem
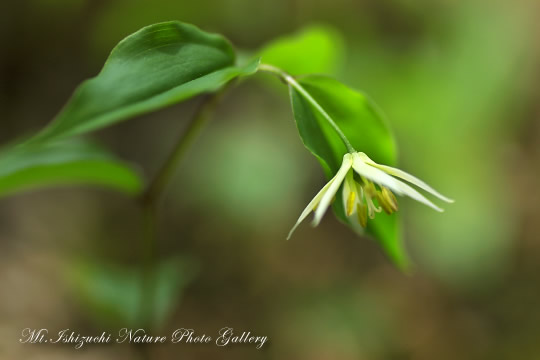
[[149, 199], [206, 108], [292, 82], [155, 189]]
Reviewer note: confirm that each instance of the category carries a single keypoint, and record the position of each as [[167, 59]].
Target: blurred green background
[[458, 81]]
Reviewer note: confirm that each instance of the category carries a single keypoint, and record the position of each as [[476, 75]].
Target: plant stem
[[157, 186], [149, 201], [206, 108], [293, 83]]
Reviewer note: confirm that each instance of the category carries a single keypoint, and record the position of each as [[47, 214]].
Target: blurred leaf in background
[[118, 296], [314, 49], [23, 168]]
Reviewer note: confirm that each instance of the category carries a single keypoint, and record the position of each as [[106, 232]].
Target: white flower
[[359, 176]]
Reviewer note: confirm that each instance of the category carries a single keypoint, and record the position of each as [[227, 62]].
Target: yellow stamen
[[361, 210], [350, 203], [387, 200], [370, 190], [384, 204], [390, 198]]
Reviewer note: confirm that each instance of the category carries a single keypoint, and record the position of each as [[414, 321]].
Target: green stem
[[149, 199], [207, 107], [156, 188], [292, 82]]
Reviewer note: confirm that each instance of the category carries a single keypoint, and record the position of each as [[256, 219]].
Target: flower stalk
[[291, 81]]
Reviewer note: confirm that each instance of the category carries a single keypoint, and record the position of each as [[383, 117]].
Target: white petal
[[375, 175], [380, 177], [332, 189], [412, 193], [410, 178], [312, 204]]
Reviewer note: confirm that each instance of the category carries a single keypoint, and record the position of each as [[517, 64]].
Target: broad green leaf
[[364, 126], [63, 163], [357, 116], [155, 67], [315, 49], [128, 296]]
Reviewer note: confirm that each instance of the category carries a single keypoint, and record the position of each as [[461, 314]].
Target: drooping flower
[[368, 188]]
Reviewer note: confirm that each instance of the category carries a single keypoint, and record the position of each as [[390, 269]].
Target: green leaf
[[127, 296], [364, 125], [315, 49], [158, 66], [110, 293], [357, 116], [63, 163]]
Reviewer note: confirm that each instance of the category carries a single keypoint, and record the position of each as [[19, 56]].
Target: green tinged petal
[[311, 206], [332, 190], [412, 179]]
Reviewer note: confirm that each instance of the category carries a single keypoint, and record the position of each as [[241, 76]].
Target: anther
[[361, 210], [350, 203]]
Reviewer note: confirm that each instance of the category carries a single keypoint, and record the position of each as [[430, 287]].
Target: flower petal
[[412, 193], [375, 175], [312, 205], [380, 177], [332, 189], [410, 178]]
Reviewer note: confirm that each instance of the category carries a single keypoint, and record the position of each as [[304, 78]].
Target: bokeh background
[[459, 83]]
